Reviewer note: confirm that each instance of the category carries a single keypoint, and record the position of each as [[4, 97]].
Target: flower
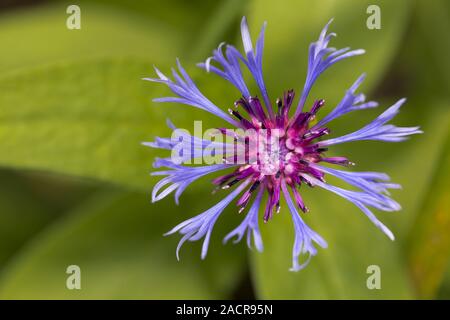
[[280, 154]]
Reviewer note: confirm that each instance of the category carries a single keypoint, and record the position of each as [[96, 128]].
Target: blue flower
[[279, 169]]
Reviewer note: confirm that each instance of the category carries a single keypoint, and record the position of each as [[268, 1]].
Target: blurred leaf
[[116, 239], [444, 290], [29, 202], [21, 214], [177, 13], [433, 19], [104, 32], [429, 246], [85, 119], [225, 19], [422, 69], [202, 23]]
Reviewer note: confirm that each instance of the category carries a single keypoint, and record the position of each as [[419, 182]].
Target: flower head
[[279, 148]]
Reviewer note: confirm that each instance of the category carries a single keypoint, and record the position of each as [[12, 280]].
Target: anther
[[317, 105], [235, 113], [279, 103], [255, 185], [228, 185]]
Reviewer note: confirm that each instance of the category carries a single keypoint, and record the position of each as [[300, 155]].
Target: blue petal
[[377, 130], [249, 225], [202, 225], [179, 177], [361, 200], [254, 60], [231, 68], [192, 146], [304, 235], [350, 102], [374, 183], [246, 39], [188, 93], [321, 58]]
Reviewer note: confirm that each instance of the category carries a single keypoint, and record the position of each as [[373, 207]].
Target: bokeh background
[[74, 182]]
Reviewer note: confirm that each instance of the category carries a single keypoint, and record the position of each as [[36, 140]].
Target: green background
[[74, 182]]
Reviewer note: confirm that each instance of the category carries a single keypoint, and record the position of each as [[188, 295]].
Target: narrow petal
[[371, 182], [358, 199], [304, 235], [253, 60], [350, 102], [377, 130], [249, 225], [246, 39], [231, 70], [192, 147], [321, 58], [179, 177], [188, 93], [202, 225]]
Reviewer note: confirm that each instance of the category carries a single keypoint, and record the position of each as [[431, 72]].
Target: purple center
[[277, 148]]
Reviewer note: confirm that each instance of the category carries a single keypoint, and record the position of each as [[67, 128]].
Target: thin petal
[[202, 225], [304, 235]]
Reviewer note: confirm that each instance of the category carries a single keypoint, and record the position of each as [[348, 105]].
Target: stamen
[[311, 135], [306, 181], [247, 124], [257, 107], [243, 102], [288, 98], [255, 185], [279, 103], [317, 105], [230, 184], [235, 113]]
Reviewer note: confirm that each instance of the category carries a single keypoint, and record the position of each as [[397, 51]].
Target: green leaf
[[429, 245], [444, 290], [18, 204], [104, 32], [85, 119], [116, 239], [202, 23], [432, 19], [27, 207], [177, 13]]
